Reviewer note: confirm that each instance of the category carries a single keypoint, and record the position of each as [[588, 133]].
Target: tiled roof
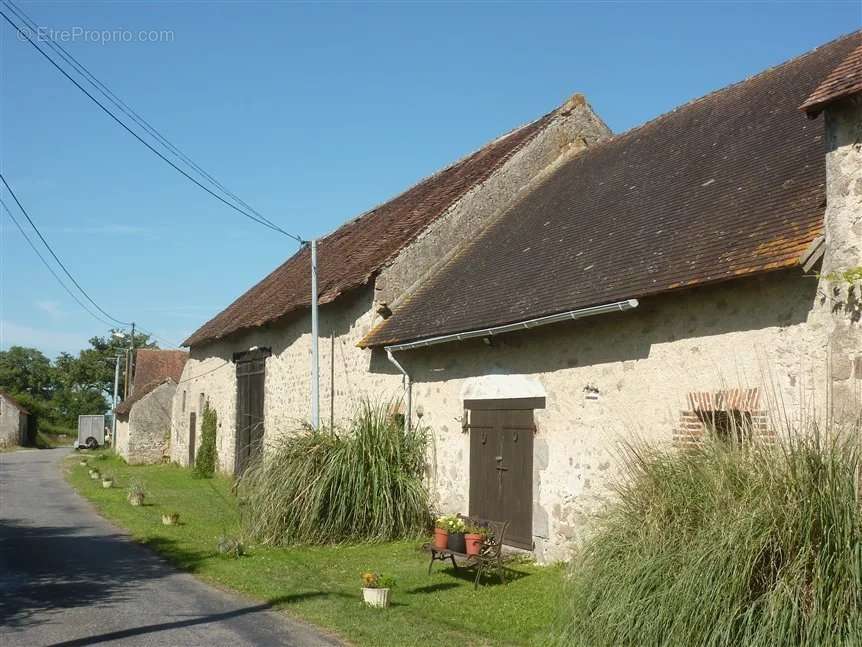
[[726, 186], [846, 79], [152, 368], [351, 255], [13, 402]]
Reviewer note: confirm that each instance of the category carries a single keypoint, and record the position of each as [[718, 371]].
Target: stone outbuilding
[[144, 418], [13, 421], [676, 280], [251, 362], [564, 290]]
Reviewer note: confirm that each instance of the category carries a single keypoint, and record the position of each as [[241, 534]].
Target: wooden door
[[501, 470], [192, 433], [250, 381]]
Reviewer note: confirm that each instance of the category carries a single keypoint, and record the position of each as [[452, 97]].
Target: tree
[[94, 366], [26, 370]]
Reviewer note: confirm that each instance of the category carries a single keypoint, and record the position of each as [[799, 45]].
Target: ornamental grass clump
[[727, 544], [362, 483]]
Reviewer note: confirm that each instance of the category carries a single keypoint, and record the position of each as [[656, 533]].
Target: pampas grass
[[317, 487], [727, 544]]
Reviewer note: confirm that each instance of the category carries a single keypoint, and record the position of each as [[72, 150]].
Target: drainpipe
[[407, 389]]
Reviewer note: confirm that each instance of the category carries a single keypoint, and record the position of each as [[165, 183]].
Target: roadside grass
[[320, 584]]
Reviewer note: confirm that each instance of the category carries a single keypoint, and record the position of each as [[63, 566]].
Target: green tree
[[27, 370]]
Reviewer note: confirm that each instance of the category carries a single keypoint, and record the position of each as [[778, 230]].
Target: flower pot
[[170, 519], [456, 542], [83, 463], [473, 543], [378, 598], [136, 500], [107, 483], [441, 538], [95, 476]]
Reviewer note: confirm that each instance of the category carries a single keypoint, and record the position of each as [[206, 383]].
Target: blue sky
[[313, 114]]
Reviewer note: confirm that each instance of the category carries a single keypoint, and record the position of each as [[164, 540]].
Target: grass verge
[[320, 584]]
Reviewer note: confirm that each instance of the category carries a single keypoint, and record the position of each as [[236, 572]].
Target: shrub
[[363, 483], [726, 545], [205, 461]]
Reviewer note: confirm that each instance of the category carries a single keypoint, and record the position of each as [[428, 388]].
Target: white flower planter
[[378, 598], [107, 484]]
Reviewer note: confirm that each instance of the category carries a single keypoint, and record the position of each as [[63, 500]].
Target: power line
[[250, 216], [57, 258], [51, 269], [128, 110]]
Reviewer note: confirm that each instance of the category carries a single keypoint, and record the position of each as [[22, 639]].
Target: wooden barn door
[[501, 468], [250, 381]]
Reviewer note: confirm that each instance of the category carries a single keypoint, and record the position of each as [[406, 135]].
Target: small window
[[201, 403], [731, 426], [184, 401]]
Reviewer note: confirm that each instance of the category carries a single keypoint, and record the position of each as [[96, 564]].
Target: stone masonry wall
[[616, 377], [13, 425], [210, 376], [840, 306], [149, 427]]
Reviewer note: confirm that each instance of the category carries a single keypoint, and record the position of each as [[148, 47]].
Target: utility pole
[[315, 357], [130, 358]]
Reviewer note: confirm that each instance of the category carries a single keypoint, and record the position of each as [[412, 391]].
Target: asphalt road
[[69, 578]]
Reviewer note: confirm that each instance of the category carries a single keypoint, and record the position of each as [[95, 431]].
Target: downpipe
[[405, 377]]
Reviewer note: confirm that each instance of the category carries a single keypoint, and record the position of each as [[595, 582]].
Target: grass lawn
[[321, 584]]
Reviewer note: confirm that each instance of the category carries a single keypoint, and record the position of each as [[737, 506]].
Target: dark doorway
[[501, 469], [193, 423], [250, 381]]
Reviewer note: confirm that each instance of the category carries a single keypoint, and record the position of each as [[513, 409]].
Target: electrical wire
[[51, 269], [65, 270], [56, 258], [128, 110], [104, 109]]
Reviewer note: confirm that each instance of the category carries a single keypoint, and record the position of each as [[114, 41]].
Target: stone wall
[[13, 424], [144, 438], [840, 305], [616, 377], [347, 374]]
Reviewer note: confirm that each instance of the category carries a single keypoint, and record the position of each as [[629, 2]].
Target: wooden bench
[[490, 557]]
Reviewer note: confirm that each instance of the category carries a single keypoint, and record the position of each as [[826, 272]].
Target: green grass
[[320, 584]]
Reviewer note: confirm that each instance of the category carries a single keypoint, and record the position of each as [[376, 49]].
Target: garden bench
[[490, 557]]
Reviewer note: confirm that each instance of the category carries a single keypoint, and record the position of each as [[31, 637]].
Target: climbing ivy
[[205, 462]]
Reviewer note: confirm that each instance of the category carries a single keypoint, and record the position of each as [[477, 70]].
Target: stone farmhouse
[[670, 281], [13, 421], [144, 418]]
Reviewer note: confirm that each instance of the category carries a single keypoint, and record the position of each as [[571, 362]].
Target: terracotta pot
[[456, 542], [441, 538], [474, 543]]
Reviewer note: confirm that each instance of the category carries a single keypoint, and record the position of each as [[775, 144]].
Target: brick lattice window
[[731, 414]]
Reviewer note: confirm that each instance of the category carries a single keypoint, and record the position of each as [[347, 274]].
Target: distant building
[[144, 418], [13, 421]]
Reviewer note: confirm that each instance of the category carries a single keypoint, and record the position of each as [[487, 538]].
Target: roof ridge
[[440, 171], [726, 88]]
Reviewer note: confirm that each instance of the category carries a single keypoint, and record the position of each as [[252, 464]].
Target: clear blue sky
[[313, 114]]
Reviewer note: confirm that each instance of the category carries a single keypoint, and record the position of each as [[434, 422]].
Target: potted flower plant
[[136, 494], [474, 537], [171, 518], [94, 474], [83, 462], [375, 589], [107, 481], [456, 529], [441, 533]]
